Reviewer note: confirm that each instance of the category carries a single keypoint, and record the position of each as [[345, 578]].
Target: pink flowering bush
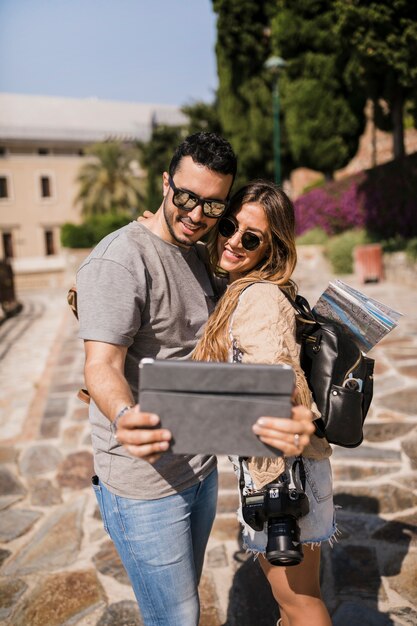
[[382, 200]]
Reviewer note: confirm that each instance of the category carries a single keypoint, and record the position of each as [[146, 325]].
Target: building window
[[45, 187], [49, 242], [2, 151], [43, 151], [7, 245], [4, 191]]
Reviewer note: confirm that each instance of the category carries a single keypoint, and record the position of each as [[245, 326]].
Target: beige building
[[42, 140]]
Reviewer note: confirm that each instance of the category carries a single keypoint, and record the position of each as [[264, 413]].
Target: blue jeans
[[161, 544]]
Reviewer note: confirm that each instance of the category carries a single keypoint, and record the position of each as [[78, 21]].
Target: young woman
[[254, 322]]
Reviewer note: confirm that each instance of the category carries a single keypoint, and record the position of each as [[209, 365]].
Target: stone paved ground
[[57, 565]]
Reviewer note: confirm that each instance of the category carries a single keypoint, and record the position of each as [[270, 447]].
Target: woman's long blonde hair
[[276, 267]]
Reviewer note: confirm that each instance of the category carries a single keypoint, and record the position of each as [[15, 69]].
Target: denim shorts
[[318, 525]]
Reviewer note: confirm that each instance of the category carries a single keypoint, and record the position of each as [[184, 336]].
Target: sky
[[155, 51]]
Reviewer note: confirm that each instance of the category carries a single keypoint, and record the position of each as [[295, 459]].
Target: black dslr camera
[[281, 504]]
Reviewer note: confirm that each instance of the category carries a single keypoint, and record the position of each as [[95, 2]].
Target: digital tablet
[[210, 408]]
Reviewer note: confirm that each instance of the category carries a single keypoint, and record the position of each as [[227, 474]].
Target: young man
[[144, 292]]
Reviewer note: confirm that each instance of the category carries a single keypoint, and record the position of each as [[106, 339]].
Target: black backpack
[[339, 375]]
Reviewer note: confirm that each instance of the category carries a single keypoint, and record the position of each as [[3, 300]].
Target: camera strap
[[241, 474], [298, 464]]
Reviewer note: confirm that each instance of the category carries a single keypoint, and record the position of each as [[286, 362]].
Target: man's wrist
[[114, 423]]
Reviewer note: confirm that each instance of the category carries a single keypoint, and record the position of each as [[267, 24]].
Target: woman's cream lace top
[[263, 331]]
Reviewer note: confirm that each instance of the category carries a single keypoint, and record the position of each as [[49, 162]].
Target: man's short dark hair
[[208, 149]]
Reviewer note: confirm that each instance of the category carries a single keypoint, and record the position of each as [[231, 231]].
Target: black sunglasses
[[187, 201], [250, 241]]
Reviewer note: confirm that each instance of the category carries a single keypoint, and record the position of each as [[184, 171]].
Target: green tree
[[92, 230], [245, 87], [323, 117], [203, 116], [108, 182], [381, 41]]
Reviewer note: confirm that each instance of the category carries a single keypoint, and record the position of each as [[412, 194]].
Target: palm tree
[[108, 181]]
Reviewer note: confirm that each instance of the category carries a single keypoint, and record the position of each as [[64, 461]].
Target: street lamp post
[[275, 64]]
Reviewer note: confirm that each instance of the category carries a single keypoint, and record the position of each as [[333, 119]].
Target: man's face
[[184, 228]]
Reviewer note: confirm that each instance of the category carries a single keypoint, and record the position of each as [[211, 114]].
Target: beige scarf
[[264, 470]]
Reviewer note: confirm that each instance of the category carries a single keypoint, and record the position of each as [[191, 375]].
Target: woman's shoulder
[[264, 290], [264, 301], [260, 322]]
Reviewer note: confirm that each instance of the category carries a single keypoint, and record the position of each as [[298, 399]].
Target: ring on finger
[[297, 440]]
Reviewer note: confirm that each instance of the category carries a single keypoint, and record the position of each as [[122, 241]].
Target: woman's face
[[232, 247]]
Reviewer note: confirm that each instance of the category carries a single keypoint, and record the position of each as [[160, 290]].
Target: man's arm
[[108, 387]]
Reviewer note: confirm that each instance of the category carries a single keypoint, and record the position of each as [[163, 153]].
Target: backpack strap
[[306, 316], [82, 394], [72, 299], [302, 307]]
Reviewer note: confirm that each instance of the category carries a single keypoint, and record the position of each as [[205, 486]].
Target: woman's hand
[[145, 215], [288, 435]]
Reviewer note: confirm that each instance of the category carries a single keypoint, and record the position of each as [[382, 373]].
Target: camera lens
[[284, 546]]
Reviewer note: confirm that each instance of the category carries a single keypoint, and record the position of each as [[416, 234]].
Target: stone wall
[[37, 273]]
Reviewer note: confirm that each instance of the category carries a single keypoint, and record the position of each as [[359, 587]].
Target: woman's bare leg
[[297, 590]]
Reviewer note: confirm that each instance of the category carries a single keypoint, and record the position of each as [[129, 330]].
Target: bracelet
[[114, 423]]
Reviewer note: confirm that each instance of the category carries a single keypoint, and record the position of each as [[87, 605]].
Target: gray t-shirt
[[139, 291]]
